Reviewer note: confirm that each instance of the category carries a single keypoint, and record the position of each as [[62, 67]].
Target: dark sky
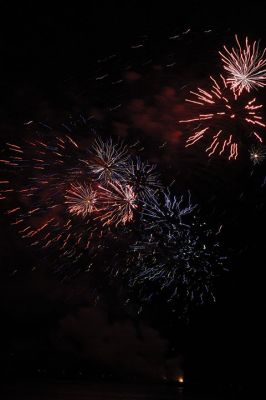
[[48, 57]]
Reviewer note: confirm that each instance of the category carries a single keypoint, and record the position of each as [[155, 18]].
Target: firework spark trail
[[165, 209], [49, 171], [245, 65], [221, 112]]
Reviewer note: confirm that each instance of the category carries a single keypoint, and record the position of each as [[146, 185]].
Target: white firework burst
[[108, 160], [245, 65], [257, 154]]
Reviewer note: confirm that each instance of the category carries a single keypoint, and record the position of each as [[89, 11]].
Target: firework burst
[[80, 216], [143, 177], [257, 154], [245, 65], [179, 258], [58, 206], [221, 115], [107, 160], [118, 204], [81, 199]]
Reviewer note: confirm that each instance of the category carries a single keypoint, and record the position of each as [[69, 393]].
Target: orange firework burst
[[81, 199], [220, 114]]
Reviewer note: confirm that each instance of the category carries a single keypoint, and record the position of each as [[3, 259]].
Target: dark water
[[103, 391]]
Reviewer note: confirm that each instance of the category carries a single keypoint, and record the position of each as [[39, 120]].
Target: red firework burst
[[220, 117]]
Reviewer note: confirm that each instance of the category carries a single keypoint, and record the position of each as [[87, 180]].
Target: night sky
[[52, 60]]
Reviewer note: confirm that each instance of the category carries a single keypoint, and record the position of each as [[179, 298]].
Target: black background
[[40, 47]]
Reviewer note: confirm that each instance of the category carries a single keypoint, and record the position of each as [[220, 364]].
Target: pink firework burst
[[221, 118], [118, 203], [245, 65]]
